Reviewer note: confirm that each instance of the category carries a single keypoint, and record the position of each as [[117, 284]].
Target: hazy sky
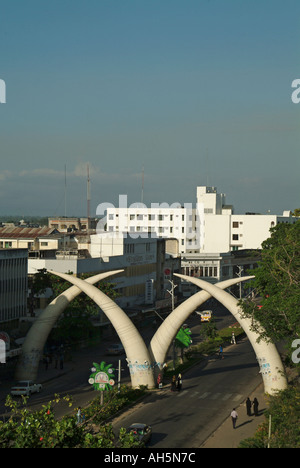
[[196, 92]]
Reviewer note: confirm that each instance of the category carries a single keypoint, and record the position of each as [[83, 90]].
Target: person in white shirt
[[234, 417]]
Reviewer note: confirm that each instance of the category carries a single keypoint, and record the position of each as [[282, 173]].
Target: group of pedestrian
[[249, 404], [57, 355], [176, 383]]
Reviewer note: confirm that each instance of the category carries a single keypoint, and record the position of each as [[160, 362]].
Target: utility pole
[[171, 292], [119, 376], [239, 274], [88, 198]]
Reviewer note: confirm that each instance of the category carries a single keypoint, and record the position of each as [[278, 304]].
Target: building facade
[[143, 260], [210, 227], [13, 286]]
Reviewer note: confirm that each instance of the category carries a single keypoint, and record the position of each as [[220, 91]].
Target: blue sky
[[195, 92]]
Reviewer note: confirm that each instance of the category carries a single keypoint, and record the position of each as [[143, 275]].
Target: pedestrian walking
[[78, 415], [173, 384], [234, 417], [179, 382], [221, 352], [248, 406], [255, 406], [233, 338]]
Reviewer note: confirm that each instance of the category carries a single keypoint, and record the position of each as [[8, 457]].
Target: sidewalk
[[227, 437]]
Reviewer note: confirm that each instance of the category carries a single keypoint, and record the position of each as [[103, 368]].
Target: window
[[129, 248], [235, 237], [235, 224]]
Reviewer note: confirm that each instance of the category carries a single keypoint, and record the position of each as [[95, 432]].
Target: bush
[[284, 409], [40, 429]]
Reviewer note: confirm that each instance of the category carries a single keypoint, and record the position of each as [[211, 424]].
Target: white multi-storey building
[[207, 228]]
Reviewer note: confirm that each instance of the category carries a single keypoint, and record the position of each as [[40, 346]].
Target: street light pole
[[171, 292], [239, 274]]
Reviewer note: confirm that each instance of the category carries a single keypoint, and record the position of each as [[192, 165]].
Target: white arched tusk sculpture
[[271, 367], [138, 357], [37, 335], [167, 331]]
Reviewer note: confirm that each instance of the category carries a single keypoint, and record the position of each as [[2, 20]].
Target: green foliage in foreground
[[284, 409], [41, 429]]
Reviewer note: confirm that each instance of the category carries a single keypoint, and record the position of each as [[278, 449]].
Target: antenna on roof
[[88, 197], [64, 236], [65, 190], [142, 197]]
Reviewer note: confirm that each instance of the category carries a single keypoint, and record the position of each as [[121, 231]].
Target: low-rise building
[[143, 260], [68, 224], [13, 286]]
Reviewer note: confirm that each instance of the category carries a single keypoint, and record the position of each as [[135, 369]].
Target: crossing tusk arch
[[138, 358], [33, 346], [271, 367], [167, 331]]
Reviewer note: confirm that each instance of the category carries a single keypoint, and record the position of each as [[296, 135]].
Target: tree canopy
[[276, 284]]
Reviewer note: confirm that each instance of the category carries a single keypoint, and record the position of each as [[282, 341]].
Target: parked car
[[141, 431], [25, 387], [115, 349]]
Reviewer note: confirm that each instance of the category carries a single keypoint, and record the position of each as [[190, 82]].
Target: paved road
[[207, 396], [187, 419]]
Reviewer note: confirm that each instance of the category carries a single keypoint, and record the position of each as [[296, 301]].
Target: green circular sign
[[102, 377]]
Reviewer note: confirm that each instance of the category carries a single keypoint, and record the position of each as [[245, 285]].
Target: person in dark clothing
[[248, 406], [179, 382], [173, 384], [255, 406]]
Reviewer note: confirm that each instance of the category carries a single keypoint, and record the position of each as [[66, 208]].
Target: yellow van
[[206, 315]]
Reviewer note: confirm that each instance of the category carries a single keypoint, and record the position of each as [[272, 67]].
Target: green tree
[[284, 409], [296, 212], [27, 428], [277, 285], [209, 329]]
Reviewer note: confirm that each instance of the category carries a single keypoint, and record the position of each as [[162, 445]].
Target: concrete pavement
[[227, 437]]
